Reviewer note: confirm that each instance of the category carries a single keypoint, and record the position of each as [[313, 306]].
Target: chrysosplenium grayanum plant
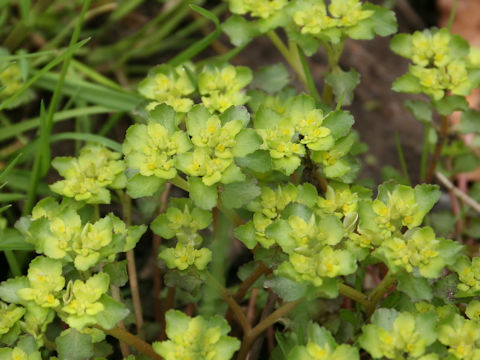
[[235, 157]]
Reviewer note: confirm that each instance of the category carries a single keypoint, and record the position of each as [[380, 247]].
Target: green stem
[[451, 19], [132, 340], [260, 270], [377, 294], [287, 54], [353, 294], [180, 183], [251, 336], [423, 159], [333, 52], [131, 267], [442, 135], [237, 310], [312, 89]]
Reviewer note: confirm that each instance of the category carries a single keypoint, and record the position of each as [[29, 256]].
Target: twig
[[237, 310], [378, 293], [438, 149], [251, 306], [459, 193], [169, 303], [252, 335], [131, 268], [124, 349], [254, 353], [260, 270], [353, 294], [157, 272], [132, 340]]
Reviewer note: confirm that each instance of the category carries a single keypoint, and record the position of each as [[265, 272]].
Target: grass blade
[[197, 47]]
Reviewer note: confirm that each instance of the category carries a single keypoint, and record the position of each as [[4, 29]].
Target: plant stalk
[[438, 149], [132, 340]]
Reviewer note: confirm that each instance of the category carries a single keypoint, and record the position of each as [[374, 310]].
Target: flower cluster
[[469, 275], [183, 220], [82, 300], [262, 9], [169, 85], [312, 17], [88, 176], [299, 127], [268, 208], [217, 141], [45, 291], [440, 63], [196, 338], [322, 346], [383, 221], [393, 335], [221, 86], [57, 231]]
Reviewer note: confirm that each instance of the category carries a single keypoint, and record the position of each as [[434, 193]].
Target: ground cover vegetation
[[245, 185]]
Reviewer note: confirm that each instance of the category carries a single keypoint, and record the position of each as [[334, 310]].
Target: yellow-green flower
[[257, 8], [322, 346], [88, 176], [169, 85], [151, 149], [184, 256], [441, 63], [462, 338], [46, 281], [196, 338], [221, 86], [18, 353], [393, 335], [81, 300], [9, 316]]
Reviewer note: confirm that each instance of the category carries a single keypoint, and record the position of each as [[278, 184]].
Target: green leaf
[[112, 313], [343, 84], [203, 196], [418, 288], [271, 78], [238, 194], [449, 104], [165, 116], [12, 240], [408, 84], [246, 234], [307, 194], [384, 19], [8, 289], [259, 161], [426, 196], [140, 186], [73, 345], [280, 231], [339, 122], [470, 122], [117, 272], [308, 43], [287, 289], [401, 44], [420, 110], [239, 30], [236, 113], [446, 288], [247, 142], [464, 163]]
